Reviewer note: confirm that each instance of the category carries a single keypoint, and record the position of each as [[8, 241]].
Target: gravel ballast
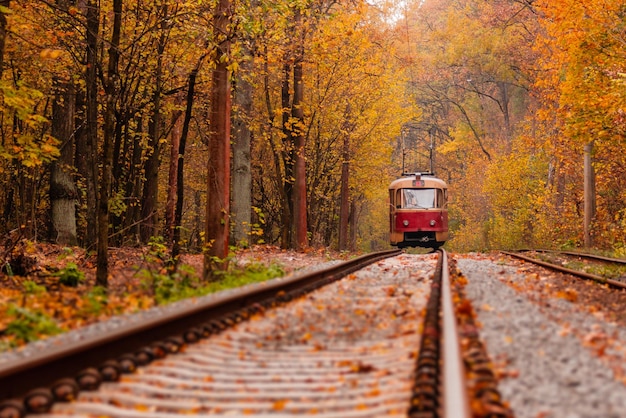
[[556, 359]]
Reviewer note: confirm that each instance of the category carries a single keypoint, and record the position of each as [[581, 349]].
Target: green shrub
[[32, 288], [70, 275], [30, 326]]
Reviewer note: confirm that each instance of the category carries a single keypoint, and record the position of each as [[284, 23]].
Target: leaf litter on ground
[[57, 291]]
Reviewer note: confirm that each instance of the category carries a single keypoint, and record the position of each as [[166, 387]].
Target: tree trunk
[[149, 223], [352, 222], [151, 187], [3, 33], [180, 187], [590, 195], [63, 194], [120, 139], [112, 87], [218, 176], [344, 206], [504, 99], [297, 112], [172, 177], [91, 137], [242, 173], [287, 153], [134, 184]]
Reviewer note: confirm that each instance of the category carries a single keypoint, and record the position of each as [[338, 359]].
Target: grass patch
[[598, 268], [609, 271], [182, 284], [252, 273], [29, 325], [32, 288]]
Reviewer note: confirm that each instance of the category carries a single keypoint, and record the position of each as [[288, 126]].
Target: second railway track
[[576, 264]]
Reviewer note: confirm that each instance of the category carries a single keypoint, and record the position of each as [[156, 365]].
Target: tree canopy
[[323, 91]]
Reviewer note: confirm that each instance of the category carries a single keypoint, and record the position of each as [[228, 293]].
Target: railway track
[[313, 344], [577, 264]]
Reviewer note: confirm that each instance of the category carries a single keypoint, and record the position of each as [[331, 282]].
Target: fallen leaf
[[279, 405]]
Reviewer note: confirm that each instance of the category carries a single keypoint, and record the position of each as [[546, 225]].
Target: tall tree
[[218, 175], [111, 90], [294, 233], [88, 150], [149, 199], [180, 157], [299, 143], [242, 135], [286, 152], [63, 193], [4, 8], [172, 176], [344, 206]]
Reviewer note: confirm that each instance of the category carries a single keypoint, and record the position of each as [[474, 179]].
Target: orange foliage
[[581, 82]]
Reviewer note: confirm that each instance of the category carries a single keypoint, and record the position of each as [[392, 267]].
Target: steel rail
[[584, 255], [599, 279], [455, 399], [46, 368], [440, 388]]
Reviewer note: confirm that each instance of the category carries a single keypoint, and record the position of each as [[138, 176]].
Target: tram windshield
[[419, 198]]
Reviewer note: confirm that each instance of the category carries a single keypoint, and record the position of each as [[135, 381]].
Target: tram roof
[[418, 180]]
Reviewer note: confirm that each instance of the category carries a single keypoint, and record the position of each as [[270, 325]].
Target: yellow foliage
[[50, 53], [582, 61]]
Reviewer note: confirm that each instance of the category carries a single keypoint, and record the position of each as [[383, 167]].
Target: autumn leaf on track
[[362, 368], [464, 307], [568, 294], [143, 408], [565, 331], [597, 340], [460, 280], [279, 405], [390, 291], [374, 392]]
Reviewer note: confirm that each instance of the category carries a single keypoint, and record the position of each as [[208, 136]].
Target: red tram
[[418, 214]]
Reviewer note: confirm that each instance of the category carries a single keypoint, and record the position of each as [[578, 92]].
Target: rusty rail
[[92, 360], [440, 387], [584, 255], [456, 403], [613, 283]]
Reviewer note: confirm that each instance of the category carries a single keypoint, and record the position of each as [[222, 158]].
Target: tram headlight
[[432, 222], [405, 222]]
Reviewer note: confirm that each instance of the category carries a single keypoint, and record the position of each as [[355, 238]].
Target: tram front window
[[419, 198]]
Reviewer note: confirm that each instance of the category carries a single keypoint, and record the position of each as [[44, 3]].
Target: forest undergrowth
[[47, 289]]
